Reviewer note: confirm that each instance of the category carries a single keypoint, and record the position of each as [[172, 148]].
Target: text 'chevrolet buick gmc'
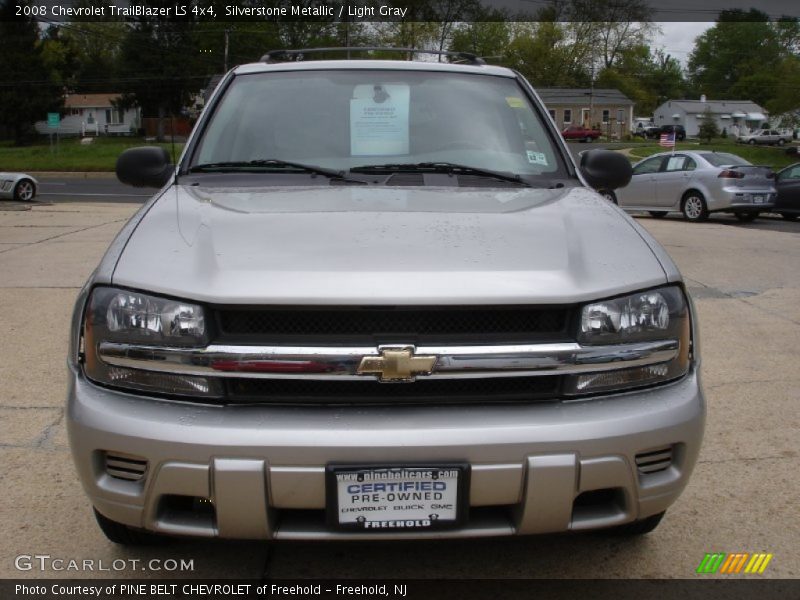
[[377, 299]]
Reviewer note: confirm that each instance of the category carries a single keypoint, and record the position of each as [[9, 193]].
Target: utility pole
[[225, 66], [591, 93]]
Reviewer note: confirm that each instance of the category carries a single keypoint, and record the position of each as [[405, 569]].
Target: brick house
[[608, 109]]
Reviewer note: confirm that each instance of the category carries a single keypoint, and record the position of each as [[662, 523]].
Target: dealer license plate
[[395, 498]]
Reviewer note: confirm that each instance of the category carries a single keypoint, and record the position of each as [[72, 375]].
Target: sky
[[677, 38]]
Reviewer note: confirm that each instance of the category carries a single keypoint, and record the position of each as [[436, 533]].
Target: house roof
[[90, 100], [552, 95], [715, 106]]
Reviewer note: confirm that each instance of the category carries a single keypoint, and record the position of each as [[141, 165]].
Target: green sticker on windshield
[[515, 102], [537, 158]]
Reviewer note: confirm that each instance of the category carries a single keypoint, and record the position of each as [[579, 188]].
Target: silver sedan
[[18, 186], [697, 184]]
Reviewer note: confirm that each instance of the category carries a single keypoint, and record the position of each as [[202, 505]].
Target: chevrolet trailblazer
[[379, 299]]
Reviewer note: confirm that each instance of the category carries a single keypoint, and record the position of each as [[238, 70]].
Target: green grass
[[772, 156], [101, 155]]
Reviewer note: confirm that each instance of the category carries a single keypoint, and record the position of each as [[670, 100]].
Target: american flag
[[667, 140]]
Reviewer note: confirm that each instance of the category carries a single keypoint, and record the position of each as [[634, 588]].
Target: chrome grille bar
[[336, 363]]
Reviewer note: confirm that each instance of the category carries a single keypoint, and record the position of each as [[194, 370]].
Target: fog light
[[160, 382], [623, 378]]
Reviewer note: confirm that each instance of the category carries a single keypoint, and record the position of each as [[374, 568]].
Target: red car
[[576, 132]]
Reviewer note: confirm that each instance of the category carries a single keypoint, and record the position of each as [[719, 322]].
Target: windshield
[[721, 159], [341, 119]]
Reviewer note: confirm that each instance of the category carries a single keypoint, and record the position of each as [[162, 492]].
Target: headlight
[[654, 315], [127, 317]]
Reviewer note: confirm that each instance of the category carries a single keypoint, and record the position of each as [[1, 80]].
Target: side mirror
[[146, 166], [605, 169]]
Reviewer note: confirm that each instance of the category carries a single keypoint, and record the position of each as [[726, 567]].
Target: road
[[91, 189]]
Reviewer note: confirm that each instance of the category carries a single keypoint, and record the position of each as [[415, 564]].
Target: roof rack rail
[[290, 54]]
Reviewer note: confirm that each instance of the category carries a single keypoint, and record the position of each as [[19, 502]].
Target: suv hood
[[383, 245]]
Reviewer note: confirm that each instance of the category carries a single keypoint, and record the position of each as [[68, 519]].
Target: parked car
[[787, 181], [578, 132], [771, 137], [697, 184], [655, 132], [361, 307], [18, 186]]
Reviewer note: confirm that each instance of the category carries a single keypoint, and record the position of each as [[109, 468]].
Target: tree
[[162, 66], [27, 92], [545, 55], [784, 102], [488, 39], [708, 127], [734, 57], [648, 78]]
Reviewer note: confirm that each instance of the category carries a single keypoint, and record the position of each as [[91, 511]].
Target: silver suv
[[378, 299]]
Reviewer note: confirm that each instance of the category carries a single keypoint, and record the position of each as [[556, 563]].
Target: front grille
[[125, 466], [427, 391], [370, 325], [654, 461]]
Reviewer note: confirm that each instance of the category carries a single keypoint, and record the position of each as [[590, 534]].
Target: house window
[[606, 116], [552, 114], [567, 115], [108, 116]]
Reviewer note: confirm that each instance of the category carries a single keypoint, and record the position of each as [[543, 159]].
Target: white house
[[99, 112], [94, 114], [734, 116]]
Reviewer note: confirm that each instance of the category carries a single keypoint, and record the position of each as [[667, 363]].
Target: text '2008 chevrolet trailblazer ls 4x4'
[[377, 299]]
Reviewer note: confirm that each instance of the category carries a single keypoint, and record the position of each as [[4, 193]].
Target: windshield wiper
[[269, 164], [441, 167]]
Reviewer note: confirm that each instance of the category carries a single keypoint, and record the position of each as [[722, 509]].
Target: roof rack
[[274, 56]]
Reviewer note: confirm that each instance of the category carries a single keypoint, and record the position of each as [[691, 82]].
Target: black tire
[[127, 536], [781, 142], [790, 216], [588, 139], [24, 191], [746, 217], [751, 142], [694, 207], [658, 214], [608, 195], [640, 527]]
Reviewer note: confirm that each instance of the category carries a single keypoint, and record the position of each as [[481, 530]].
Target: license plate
[[758, 199], [396, 498]]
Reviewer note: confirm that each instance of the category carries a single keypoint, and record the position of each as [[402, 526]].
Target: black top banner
[[339, 11]]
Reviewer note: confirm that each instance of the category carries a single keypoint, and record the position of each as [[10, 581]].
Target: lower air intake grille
[[427, 391], [125, 466], [654, 461]]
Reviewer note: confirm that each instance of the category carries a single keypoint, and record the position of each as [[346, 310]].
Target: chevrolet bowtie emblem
[[397, 364]]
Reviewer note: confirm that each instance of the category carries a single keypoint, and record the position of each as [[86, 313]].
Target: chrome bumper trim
[[332, 363]]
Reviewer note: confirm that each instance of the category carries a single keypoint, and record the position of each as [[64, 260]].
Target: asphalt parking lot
[[743, 497]]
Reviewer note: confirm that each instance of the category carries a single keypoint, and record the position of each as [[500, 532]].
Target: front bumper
[[261, 469]]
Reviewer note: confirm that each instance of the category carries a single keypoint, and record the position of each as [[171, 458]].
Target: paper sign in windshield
[[379, 120]]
